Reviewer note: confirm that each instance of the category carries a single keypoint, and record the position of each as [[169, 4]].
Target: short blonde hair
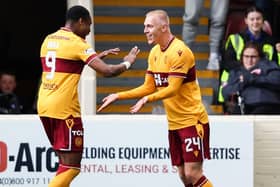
[[162, 15]]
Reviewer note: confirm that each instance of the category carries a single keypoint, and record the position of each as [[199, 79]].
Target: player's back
[[62, 66]]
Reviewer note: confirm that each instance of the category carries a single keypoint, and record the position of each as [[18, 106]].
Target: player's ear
[[81, 21], [164, 27]]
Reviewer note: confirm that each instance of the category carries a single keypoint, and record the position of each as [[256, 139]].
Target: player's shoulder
[[181, 48], [177, 43], [65, 35]]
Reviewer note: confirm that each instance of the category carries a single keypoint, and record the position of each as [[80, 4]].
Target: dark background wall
[[24, 25]]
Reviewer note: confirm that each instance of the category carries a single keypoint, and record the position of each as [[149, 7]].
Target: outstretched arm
[[110, 70], [113, 51], [174, 84], [148, 87], [107, 101]]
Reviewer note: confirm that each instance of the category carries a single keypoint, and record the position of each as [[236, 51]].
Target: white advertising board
[[122, 151]]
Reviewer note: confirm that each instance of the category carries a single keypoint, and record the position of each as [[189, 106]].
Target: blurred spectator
[[9, 102], [218, 12], [255, 85], [235, 43], [254, 20]]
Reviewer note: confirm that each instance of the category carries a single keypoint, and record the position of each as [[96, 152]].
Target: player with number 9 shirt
[[63, 57]]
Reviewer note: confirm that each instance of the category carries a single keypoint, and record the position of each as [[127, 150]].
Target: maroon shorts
[[66, 134], [190, 144]]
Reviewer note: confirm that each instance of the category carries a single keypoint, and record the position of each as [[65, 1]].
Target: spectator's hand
[[224, 83], [277, 46], [135, 108], [113, 51], [131, 56], [108, 100], [256, 71]]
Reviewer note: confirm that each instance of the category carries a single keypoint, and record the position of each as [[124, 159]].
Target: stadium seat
[[240, 5], [235, 23]]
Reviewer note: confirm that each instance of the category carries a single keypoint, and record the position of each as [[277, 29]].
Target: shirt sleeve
[[146, 88], [85, 52], [174, 84]]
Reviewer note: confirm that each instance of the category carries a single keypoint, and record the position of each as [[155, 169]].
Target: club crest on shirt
[[180, 52]]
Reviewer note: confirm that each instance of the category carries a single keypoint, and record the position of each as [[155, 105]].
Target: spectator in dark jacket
[[257, 82], [9, 102], [235, 43]]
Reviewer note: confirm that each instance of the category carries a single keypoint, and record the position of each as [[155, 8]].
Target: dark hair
[[253, 9], [7, 72], [255, 46], [76, 12]]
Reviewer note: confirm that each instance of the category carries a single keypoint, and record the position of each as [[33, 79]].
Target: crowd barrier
[[132, 150]]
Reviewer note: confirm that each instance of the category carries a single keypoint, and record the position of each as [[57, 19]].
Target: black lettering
[[225, 153], [39, 152], [215, 153], [51, 167], [237, 153], [24, 151]]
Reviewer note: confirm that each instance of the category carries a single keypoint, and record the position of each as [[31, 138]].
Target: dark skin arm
[[110, 70]]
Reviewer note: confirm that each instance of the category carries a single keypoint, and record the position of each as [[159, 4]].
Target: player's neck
[[68, 26], [166, 42]]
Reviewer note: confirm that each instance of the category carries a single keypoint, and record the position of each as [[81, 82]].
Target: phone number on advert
[[20, 181]]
